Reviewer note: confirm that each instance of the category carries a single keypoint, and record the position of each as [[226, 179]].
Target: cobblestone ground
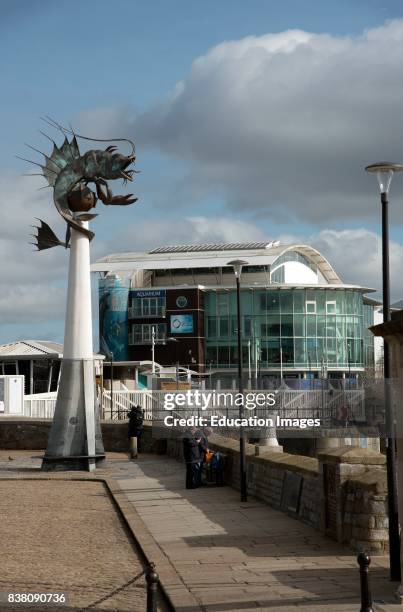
[[64, 536]]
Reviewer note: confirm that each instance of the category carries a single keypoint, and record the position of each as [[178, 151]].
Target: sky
[[252, 121]]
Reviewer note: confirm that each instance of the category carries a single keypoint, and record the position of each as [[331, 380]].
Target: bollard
[[366, 600], [152, 583], [133, 447]]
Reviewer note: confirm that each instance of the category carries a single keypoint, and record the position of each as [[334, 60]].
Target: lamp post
[[384, 172], [153, 349], [237, 265], [175, 341]]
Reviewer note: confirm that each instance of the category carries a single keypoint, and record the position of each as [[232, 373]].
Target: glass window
[[311, 344], [273, 301], [320, 301], [142, 333], [286, 301], [331, 307], [273, 351], [339, 302], [331, 327], [340, 327], [149, 307], [222, 303], [350, 327], [311, 325], [223, 356], [331, 354], [341, 352], [211, 327], [211, 355], [321, 326], [247, 326], [278, 275], [224, 327], [233, 354], [310, 306], [300, 351], [299, 325], [299, 298], [287, 348], [349, 301], [272, 325], [286, 325]]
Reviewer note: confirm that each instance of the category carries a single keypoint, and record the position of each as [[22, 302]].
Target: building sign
[[181, 301], [181, 324], [147, 293]]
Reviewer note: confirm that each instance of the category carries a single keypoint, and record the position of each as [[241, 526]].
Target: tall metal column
[[384, 172], [394, 537], [75, 440]]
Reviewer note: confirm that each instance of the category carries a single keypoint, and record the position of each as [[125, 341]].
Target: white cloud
[[356, 255], [285, 123], [152, 233], [30, 281]]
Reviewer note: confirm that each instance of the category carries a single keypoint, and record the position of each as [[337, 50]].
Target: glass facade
[[302, 328]]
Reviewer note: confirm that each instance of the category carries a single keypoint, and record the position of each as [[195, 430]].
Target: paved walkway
[[243, 556], [229, 556]]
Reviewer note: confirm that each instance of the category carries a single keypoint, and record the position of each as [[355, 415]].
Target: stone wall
[[32, 434], [354, 498]]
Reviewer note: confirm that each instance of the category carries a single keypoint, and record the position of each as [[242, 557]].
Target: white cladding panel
[[297, 272]]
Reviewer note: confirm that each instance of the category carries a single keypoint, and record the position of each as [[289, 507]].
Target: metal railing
[[40, 405]]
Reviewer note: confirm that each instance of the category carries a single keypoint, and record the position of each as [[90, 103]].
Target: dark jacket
[[136, 418], [191, 450]]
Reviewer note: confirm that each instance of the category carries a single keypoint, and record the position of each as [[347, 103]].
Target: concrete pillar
[[75, 440]]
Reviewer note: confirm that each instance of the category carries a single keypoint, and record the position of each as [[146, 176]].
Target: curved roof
[[317, 258], [211, 255]]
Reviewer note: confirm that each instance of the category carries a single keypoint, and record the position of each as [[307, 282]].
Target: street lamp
[[384, 172], [237, 265]]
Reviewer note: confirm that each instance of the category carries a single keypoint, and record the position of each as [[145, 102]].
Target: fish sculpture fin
[[45, 237]]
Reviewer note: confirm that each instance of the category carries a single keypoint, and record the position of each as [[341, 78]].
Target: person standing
[[191, 454], [202, 434], [136, 419]]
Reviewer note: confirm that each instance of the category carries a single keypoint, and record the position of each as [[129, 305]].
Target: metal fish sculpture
[[69, 173]]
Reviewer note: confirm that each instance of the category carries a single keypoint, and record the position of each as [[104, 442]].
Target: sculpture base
[[75, 439], [83, 463]]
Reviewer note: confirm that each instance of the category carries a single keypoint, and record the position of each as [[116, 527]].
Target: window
[[223, 303], [142, 333], [148, 307], [247, 325], [310, 307], [211, 327], [278, 276], [331, 307]]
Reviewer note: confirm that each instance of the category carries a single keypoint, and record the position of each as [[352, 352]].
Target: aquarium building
[[178, 305]]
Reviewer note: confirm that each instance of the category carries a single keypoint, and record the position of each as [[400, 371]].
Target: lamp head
[[237, 265], [384, 172]]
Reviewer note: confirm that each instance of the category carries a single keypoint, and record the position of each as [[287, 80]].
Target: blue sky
[[231, 124]]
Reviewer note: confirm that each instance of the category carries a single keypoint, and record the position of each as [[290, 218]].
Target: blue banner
[[181, 324]]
